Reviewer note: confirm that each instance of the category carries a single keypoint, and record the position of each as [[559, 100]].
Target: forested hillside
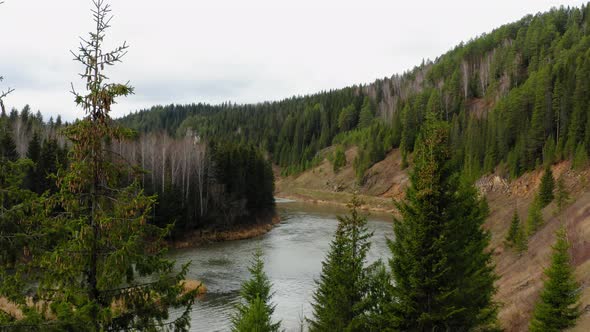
[[516, 97], [198, 184]]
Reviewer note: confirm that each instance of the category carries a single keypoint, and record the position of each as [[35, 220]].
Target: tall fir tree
[[513, 230], [516, 236], [557, 308], [534, 219], [34, 154], [580, 160], [16, 204], [93, 255], [546, 188], [255, 313], [7, 147], [562, 196], [48, 165], [442, 272], [366, 114], [338, 299]]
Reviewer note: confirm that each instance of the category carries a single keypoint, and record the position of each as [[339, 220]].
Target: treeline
[[24, 135], [292, 131], [515, 98], [197, 184], [202, 184], [440, 273]]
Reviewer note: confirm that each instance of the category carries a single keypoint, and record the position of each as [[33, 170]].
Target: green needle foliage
[[7, 147], [338, 300], [558, 307], [562, 196], [15, 205], [580, 158], [516, 236], [339, 159], [94, 263], [535, 217], [255, 314], [546, 188], [442, 272]]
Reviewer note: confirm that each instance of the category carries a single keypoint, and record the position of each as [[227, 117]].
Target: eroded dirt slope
[[521, 275]]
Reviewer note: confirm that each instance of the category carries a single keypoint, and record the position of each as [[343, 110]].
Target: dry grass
[[521, 276], [384, 182], [11, 309], [191, 285], [200, 237]]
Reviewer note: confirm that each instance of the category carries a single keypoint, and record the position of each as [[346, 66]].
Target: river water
[[293, 252]]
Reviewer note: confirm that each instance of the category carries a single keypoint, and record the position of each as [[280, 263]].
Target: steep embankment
[[521, 275], [384, 181]]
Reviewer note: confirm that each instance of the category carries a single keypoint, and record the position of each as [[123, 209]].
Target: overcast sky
[[185, 51]]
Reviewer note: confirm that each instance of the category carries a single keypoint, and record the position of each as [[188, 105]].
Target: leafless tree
[[4, 94]]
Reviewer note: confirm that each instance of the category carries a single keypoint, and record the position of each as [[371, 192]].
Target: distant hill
[[516, 97]]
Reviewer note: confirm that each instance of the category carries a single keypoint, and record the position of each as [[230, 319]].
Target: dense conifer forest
[[515, 98], [87, 208]]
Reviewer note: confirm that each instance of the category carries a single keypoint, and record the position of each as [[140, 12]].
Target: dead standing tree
[[4, 94]]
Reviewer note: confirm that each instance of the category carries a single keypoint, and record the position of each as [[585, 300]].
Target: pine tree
[[342, 285], [92, 253], [562, 196], [546, 188], [557, 308], [442, 272], [535, 217], [255, 313]]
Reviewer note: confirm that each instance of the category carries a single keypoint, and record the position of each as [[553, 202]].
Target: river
[[293, 253]]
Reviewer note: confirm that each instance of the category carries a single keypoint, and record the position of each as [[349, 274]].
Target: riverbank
[[197, 238], [340, 199]]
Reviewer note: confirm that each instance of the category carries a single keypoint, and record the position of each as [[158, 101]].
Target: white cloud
[[245, 51]]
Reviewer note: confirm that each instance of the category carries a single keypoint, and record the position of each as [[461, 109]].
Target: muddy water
[[293, 252]]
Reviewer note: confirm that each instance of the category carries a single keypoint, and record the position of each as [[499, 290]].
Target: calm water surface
[[293, 253]]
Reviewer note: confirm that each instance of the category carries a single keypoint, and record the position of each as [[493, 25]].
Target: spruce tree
[[34, 154], [48, 165], [339, 159], [442, 272], [513, 230], [16, 204], [337, 301], [34, 150], [562, 196], [546, 188], [516, 236], [535, 217], [255, 313], [7, 147], [92, 253], [366, 115], [557, 308], [580, 158]]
